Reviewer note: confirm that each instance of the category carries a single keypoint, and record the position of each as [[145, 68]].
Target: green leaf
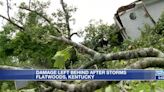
[[109, 89], [61, 57], [59, 61]]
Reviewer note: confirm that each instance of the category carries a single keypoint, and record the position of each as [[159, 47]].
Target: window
[[132, 16]]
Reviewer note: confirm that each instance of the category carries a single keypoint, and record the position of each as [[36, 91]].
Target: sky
[[86, 10]]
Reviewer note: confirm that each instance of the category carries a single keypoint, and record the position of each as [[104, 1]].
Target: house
[[131, 18]]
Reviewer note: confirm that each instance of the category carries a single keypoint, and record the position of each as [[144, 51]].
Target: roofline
[[127, 7]]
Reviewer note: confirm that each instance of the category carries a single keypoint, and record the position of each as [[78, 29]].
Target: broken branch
[[66, 18]]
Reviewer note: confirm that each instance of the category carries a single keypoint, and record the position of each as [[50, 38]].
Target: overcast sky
[[87, 10]]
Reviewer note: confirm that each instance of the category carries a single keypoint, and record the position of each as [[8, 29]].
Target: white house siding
[[154, 7]]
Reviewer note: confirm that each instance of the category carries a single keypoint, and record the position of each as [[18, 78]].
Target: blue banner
[[82, 74]]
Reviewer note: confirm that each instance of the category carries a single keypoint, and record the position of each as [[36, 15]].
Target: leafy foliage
[[30, 47], [96, 31], [62, 56]]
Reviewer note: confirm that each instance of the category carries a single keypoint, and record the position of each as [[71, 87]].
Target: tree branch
[[67, 17], [29, 4], [9, 19], [45, 18], [12, 22], [8, 12], [138, 53], [42, 88], [77, 45], [4, 67], [147, 62], [89, 86], [75, 33], [142, 52]]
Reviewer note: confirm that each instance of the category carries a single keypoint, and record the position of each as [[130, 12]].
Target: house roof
[[132, 5], [127, 7]]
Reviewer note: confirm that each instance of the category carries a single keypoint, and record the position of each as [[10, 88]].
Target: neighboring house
[[131, 18]]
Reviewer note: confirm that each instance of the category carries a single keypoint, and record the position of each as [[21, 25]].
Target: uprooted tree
[[39, 40]]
